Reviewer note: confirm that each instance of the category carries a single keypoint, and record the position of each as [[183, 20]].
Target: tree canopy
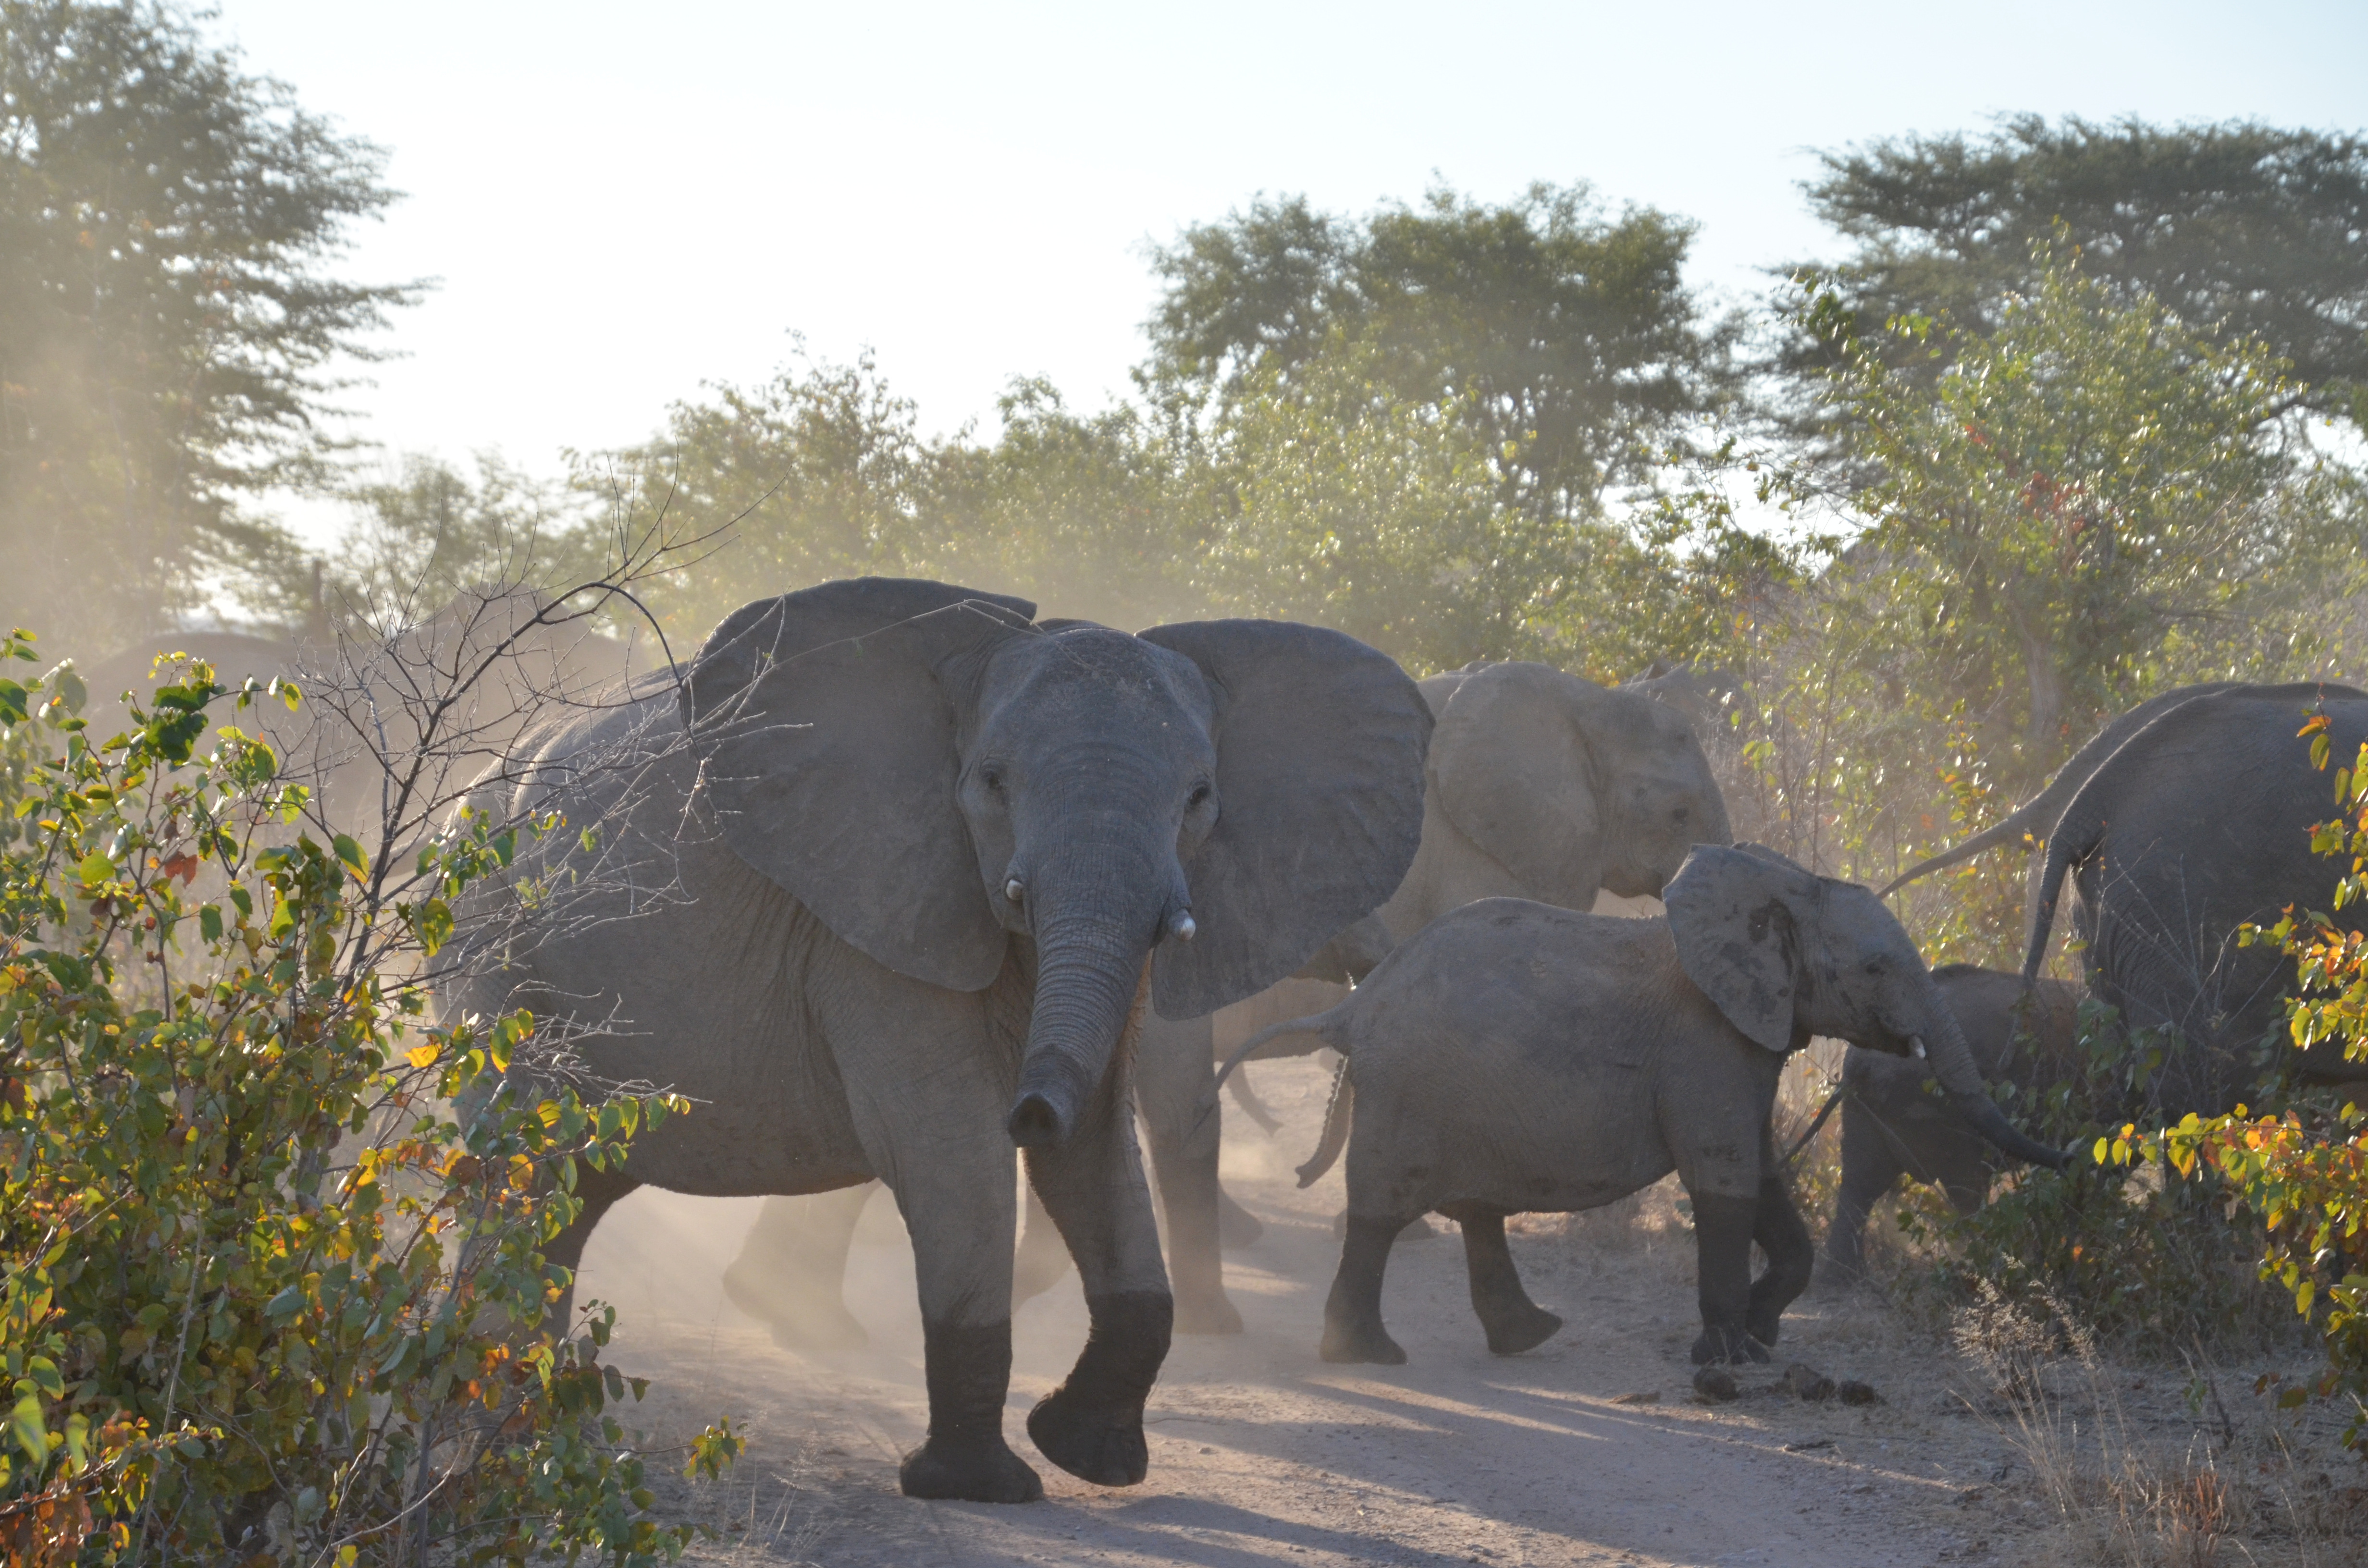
[[2236, 229], [169, 317], [1565, 338]]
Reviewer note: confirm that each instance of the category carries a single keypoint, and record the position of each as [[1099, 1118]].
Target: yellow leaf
[[426, 1055]]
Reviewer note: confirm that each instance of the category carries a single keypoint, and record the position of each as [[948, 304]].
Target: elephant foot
[[973, 1472], [1729, 1345], [1763, 1330], [1351, 1343], [1513, 1333], [1237, 1226], [1099, 1444], [1209, 1314], [800, 1323]]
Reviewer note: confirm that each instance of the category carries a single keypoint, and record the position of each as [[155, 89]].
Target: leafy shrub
[[2154, 1266], [269, 1297]]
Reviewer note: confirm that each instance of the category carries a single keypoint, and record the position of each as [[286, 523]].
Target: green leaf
[[349, 855], [32, 1434], [96, 867], [210, 923], [434, 925]]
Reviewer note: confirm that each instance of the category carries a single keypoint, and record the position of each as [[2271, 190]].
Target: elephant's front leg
[[1092, 1184], [1778, 1230], [1175, 1085], [1723, 1227]]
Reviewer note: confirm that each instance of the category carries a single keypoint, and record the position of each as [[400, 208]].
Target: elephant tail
[[1324, 1025], [2027, 819], [1252, 1107], [1336, 1127]]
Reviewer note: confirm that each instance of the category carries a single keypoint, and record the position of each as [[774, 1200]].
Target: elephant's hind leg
[[1352, 1314], [1778, 1228], [792, 1267], [1513, 1322], [1175, 1085], [597, 1192]]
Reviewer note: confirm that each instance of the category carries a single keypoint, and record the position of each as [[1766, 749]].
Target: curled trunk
[[1088, 976], [1953, 1064]]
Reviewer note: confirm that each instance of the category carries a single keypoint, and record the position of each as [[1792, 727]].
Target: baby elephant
[[1516, 1057], [1892, 1127]]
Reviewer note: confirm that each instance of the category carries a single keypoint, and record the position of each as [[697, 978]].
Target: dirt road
[[1590, 1449]]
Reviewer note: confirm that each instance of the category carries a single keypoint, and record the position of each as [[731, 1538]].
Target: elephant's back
[[2218, 809]]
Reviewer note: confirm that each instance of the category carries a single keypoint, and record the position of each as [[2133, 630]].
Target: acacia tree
[[168, 317], [2247, 227]]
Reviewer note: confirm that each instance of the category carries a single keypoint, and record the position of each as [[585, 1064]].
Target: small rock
[[1852, 1392], [1807, 1383], [1715, 1385], [1650, 1396]]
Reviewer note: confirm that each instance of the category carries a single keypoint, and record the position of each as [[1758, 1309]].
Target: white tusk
[[1014, 890], [1916, 1046], [1181, 928]]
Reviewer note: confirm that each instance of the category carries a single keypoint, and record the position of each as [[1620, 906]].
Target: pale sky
[[625, 200]]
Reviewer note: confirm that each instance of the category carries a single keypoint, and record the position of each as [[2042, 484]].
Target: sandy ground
[[1590, 1449]]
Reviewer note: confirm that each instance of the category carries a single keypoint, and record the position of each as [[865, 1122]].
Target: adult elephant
[[2182, 821], [1538, 785], [2197, 825], [881, 892], [1894, 1126]]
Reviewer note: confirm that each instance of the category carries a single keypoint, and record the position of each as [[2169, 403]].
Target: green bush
[[2156, 1266], [268, 1297]]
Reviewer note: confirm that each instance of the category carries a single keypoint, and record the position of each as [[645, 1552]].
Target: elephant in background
[[1538, 785], [881, 886], [1893, 1126], [2184, 820], [1517, 1057]]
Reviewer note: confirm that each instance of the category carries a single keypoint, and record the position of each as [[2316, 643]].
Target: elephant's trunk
[[1088, 970], [1953, 1064]]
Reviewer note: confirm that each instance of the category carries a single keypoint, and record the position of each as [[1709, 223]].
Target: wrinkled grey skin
[[882, 894], [1517, 1057], [1540, 785], [2185, 819], [1894, 1126]]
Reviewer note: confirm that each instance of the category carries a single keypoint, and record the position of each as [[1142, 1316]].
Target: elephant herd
[[892, 878]]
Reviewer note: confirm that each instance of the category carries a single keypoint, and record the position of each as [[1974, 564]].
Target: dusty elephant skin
[[2185, 819], [1538, 785], [880, 890], [1517, 1058], [1894, 1127]]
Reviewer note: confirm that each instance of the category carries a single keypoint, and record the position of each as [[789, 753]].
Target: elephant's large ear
[[1320, 744], [1731, 911], [828, 743], [1514, 774]]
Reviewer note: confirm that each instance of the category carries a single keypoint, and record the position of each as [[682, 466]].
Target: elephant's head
[[1786, 954], [1571, 786], [933, 773]]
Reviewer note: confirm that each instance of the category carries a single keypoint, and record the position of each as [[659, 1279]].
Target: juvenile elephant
[[880, 888], [2186, 819], [1891, 1126], [1538, 785], [1516, 1057]]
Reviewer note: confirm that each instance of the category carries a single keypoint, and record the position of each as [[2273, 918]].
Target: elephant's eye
[[992, 777], [1200, 793]]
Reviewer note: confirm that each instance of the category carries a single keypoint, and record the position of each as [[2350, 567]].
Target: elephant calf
[[1891, 1128], [1518, 1057]]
